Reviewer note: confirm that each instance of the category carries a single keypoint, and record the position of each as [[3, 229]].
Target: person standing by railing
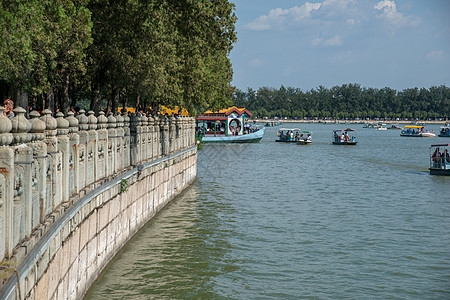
[[9, 106]]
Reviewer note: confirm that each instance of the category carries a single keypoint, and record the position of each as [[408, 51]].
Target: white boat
[[227, 126], [440, 160], [416, 131], [395, 127], [253, 137], [294, 135]]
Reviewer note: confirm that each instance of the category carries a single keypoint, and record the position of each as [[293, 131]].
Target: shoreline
[[322, 121]]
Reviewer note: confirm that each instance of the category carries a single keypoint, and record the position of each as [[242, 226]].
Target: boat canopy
[[289, 129], [441, 145], [413, 126], [348, 129]]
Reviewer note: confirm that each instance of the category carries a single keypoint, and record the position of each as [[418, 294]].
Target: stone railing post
[[134, 140], [192, 132], [185, 132], [126, 140], [119, 163], [171, 125], [156, 134], [52, 190], [151, 121], [74, 140], [63, 148], [164, 137], [91, 163], [112, 142], [23, 159], [39, 168], [103, 167], [178, 124], [144, 136], [6, 186], [83, 127]]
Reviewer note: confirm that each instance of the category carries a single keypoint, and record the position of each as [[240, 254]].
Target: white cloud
[[340, 4], [333, 41], [256, 62], [388, 11], [277, 16], [436, 55]]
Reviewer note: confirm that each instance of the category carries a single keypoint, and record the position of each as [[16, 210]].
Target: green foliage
[[139, 52], [347, 101], [123, 186], [200, 143]]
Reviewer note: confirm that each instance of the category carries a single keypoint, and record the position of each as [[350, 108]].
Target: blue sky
[[305, 44]]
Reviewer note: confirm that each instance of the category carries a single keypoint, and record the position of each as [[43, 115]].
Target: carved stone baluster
[[6, 186], [23, 158], [83, 127], [103, 168], [74, 140], [39, 167], [112, 140]]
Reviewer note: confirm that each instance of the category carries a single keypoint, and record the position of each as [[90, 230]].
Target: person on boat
[[301, 137], [309, 138], [336, 137], [347, 138], [343, 137], [296, 138], [437, 157], [291, 136], [445, 157]]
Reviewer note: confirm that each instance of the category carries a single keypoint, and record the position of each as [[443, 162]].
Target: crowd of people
[[294, 136], [344, 137], [441, 160]]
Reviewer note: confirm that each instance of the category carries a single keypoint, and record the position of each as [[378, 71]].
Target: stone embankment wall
[[74, 190]]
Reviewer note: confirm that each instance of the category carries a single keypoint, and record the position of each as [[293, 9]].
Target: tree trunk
[[115, 100], [64, 103], [20, 98], [96, 101], [138, 100], [50, 103]]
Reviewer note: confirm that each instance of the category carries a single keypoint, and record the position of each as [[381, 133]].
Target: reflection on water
[[272, 220]]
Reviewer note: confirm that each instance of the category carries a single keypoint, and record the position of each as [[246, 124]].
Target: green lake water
[[281, 221]]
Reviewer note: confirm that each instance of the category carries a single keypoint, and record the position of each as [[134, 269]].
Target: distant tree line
[[56, 53], [346, 101]]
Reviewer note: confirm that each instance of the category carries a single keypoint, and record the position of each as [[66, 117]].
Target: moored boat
[[444, 131], [416, 131], [227, 126], [344, 137], [440, 159], [395, 127], [272, 124]]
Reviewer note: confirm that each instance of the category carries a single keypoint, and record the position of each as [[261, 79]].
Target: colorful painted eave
[[228, 111]]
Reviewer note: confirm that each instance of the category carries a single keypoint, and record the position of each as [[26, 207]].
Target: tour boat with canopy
[[440, 159], [416, 131], [227, 126], [444, 131], [294, 135], [307, 140], [344, 137]]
